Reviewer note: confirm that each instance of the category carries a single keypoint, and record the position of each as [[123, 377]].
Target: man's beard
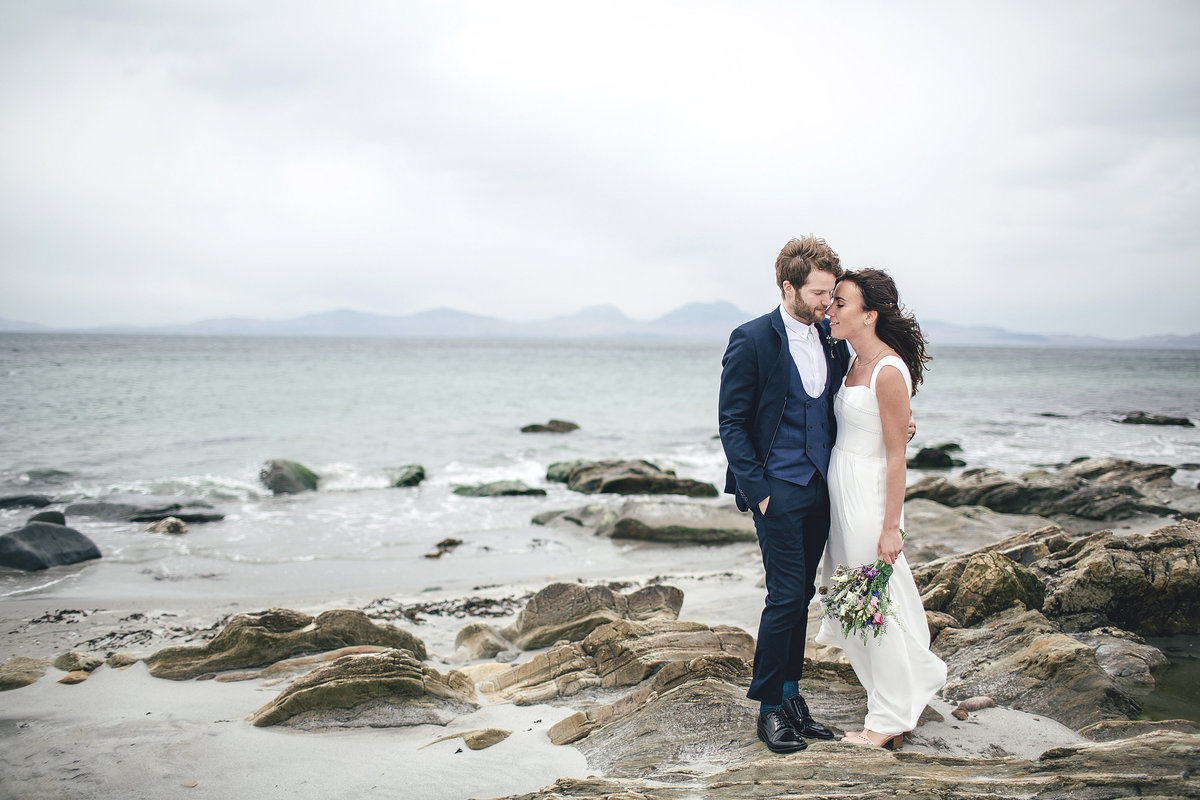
[[804, 312]]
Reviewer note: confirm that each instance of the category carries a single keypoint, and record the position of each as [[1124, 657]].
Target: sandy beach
[[123, 733]]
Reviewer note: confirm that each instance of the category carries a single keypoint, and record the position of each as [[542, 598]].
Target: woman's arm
[[894, 414]]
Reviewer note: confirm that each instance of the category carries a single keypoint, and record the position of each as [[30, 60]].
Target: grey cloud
[[273, 159]]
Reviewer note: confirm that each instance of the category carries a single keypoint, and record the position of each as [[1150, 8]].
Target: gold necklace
[[872, 359]]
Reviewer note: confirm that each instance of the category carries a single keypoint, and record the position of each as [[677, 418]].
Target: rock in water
[[288, 477], [410, 475], [43, 544], [633, 477], [145, 508], [560, 471], [25, 501], [553, 426], [934, 458], [370, 690], [167, 525], [252, 640], [57, 517], [499, 489], [1142, 418]]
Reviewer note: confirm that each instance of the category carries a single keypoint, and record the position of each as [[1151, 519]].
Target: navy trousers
[[792, 536]]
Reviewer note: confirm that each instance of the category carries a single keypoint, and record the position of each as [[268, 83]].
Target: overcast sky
[[1031, 165]]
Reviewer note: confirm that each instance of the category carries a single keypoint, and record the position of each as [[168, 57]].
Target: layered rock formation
[[1093, 488], [375, 690], [254, 640]]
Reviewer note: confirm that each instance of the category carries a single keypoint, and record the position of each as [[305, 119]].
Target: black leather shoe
[[796, 711], [778, 734]]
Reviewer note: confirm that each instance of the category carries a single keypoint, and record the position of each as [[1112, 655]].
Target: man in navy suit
[[778, 378]]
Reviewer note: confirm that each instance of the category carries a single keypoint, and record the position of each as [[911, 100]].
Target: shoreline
[[122, 732]]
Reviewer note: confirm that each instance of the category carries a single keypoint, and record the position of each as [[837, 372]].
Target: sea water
[[89, 415]]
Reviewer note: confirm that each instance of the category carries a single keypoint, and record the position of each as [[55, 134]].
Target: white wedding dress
[[896, 668]]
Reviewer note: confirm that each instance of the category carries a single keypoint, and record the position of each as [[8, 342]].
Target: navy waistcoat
[[804, 439]]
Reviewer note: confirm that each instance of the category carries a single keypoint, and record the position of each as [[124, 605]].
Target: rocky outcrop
[[570, 611], [553, 426], [145, 508], [622, 653], [1159, 764], [386, 689], [253, 640], [673, 728], [674, 521], [559, 672], [499, 489], [1112, 730], [727, 672], [1098, 593], [1124, 656], [1148, 584], [980, 586], [40, 545], [1142, 418], [21, 671], [633, 477], [288, 477], [1093, 488], [57, 517], [627, 652], [410, 475], [288, 668], [1023, 661]]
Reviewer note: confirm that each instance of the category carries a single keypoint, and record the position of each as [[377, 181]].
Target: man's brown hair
[[800, 257]]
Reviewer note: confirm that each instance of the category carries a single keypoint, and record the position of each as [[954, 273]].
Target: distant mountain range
[[694, 321]]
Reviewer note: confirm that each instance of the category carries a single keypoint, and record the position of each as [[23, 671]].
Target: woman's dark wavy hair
[[895, 325]]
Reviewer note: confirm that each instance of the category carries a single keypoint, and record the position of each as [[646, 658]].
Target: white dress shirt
[[804, 342]]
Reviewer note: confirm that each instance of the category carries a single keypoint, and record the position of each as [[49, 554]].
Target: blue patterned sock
[[765, 708], [791, 689]]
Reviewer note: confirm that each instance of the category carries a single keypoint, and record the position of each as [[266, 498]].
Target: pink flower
[[878, 619]]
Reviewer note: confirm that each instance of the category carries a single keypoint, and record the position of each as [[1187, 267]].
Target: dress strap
[[896, 362]]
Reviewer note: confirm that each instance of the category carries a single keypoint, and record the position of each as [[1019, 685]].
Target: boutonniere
[[830, 341]]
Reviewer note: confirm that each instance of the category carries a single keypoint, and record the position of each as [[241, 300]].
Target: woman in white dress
[[866, 494]]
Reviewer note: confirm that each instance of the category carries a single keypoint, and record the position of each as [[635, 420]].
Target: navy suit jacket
[[755, 373]]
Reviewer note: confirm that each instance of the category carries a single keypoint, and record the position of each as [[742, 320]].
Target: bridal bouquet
[[858, 599]]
